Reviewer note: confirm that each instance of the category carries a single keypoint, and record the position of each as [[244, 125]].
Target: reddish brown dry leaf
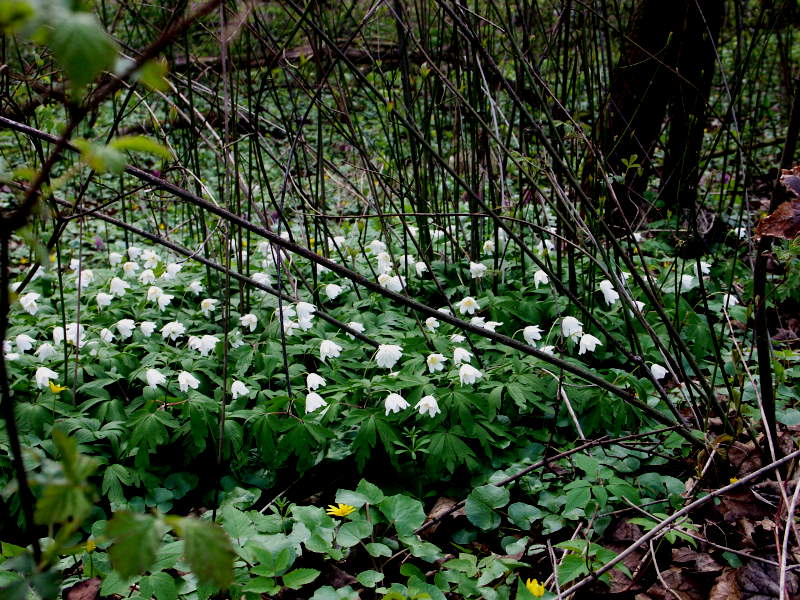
[[725, 587], [783, 223], [84, 590], [699, 562], [759, 581], [679, 586], [790, 178], [636, 561]]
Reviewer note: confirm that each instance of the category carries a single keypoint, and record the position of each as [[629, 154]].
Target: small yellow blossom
[[340, 510], [534, 587], [734, 479], [55, 388], [90, 546]]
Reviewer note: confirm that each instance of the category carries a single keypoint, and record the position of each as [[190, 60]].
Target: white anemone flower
[[420, 267], [150, 258], [687, 282], [588, 343], [571, 328], [492, 325], [154, 378], [28, 302], [355, 326], [129, 268], [329, 349], [314, 381], [75, 334], [104, 299], [477, 270], [657, 371], [114, 258], [207, 306], [394, 403], [206, 344], [532, 333], [58, 335], [609, 293], [125, 328], [435, 362], [118, 286], [43, 376], [488, 247], [153, 292], [305, 310], [333, 290], [729, 300], [147, 327], [249, 320], [428, 404], [314, 401], [106, 335], [376, 246], [173, 330], [469, 374], [45, 351], [196, 287], [460, 355], [24, 342], [548, 350], [134, 252], [457, 338], [239, 389], [171, 270], [186, 380], [468, 306], [540, 277], [147, 276], [84, 278], [384, 262], [432, 323], [388, 355]]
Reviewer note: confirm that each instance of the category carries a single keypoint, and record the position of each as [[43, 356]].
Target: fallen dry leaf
[[679, 586], [790, 178], [697, 561], [84, 590], [725, 587], [783, 223], [759, 581]]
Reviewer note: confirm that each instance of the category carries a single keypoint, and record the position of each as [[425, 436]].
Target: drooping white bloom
[[355, 326], [445, 309], [147, 327], [186, 380], [492, 325], [314, 381], [435, 362], [84, 278], [305, 310], [657, 371], [196, 287], [154, 378], [75, 334], [428, 404], [333, 290], [394, 403], [477, 270], [436, 235], [43, 376], [118, 286], [588, 343], [329, 349], [114, 259], [314, 401], [609, 293], [150, 258], [205, 344], [147, 276], [457, 338], [460, 355], [488, 246], [163, 300], [393, 283], [125, 328], [571, 328], [171, 270], [28, 302], [45, 351], [469, 374], [388, 355], [729, 300], [207, 305], [305, 323], [639, 305], [376, 246], [24, 342], [385, 263], [58, 335], [104, 299], [153, 292], [261, 278], [74, 264], [548, 350], [134, 252], [532, 333], [468, 306], [173, 330], [129, 268], [420, 267], [687, 282], [703, 268], [540, 277], [106, 335], [12, 356], [249, 320], [432, 323], [239, 389]]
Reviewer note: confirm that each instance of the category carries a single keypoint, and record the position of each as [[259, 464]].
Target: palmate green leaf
[[136, 539], [81, 47], [481, 505], [208, 551]]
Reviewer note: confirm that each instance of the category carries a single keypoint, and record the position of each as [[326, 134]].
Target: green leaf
[[377, 549], [370, 491], [262, 585], [153, 75], [404, 512], [577, 498], [481, 505], [523, 515], [208, 552], [136, 539], [140, 143], [352, 532], [81, 47], [369, 578], [61, 503], [161, 585], [14, 14], [299, 577]]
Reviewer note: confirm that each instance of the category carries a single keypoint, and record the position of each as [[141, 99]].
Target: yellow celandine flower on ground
[[90, 546], [55, 388], [734, 479], [534, 587], [340, 510]]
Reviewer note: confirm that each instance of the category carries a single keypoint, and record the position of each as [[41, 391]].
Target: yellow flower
[[340, 510], [55, 388], [734, 479], [90, 546], [534, 587]]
